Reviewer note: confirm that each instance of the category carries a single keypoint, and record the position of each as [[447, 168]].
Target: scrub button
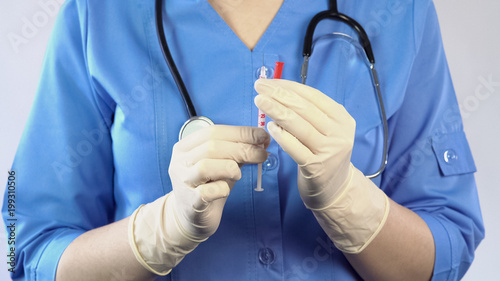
[[266, 256], [450, 156], [269, 72], [271, 163]]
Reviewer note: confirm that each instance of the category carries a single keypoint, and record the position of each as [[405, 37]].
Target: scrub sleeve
[[64, 163], [430, 166]]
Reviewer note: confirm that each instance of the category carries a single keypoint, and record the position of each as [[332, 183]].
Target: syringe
[[278, 69], [261, 124]]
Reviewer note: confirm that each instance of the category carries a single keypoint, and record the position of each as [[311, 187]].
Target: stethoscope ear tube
[[333, 14], [329, 14], [384, 123]]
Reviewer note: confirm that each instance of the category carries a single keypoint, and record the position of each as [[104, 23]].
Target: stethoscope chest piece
[[194, 124]]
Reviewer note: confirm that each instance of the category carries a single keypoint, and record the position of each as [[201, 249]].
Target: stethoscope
[[196, 122]]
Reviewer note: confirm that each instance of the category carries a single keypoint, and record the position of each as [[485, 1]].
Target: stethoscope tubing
[[170, 61], [196, 122]]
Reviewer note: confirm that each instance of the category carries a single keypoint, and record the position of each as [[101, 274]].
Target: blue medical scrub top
[[107, 113]]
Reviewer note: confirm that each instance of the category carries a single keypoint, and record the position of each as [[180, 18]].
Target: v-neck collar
[[275, 25]]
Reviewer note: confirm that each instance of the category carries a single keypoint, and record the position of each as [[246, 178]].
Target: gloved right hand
[[203, 169]]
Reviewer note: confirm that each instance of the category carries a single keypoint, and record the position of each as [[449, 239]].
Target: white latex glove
[[315, 131], [203, 170], [318, 133]]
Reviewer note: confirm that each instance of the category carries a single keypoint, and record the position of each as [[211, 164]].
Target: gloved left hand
[[315, 131], [318, 133]]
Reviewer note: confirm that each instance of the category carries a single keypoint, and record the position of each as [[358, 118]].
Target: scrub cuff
[[442, 242], [49, 259]]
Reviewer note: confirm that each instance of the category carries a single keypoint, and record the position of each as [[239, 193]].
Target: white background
[[472, 42]]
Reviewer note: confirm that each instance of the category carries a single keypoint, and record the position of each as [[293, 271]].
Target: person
[[106, 191]]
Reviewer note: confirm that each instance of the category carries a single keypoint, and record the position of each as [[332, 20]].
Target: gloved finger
[[291, 122], [326, 104], [237, 134], [242, 153], [207, 170], [210, 192], [290, 144], [303, 107]]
